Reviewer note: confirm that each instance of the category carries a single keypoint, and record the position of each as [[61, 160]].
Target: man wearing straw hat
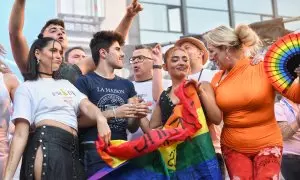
[[198, 55]]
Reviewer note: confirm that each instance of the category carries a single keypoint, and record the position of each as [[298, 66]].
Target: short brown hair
[[145, 46], [103, 40], [70, 50], [50, 22]]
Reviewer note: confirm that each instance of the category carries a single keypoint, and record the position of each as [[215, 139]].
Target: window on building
[[160, 17], [81, 17], [174, 17], [288, 7], [159, 37], [160, 21], [64, 8], [170, 2], [253, 6], [81, 8], [246, 18], [203, 15], [200, 21], [292, 25], [211, 4], [154, 17]]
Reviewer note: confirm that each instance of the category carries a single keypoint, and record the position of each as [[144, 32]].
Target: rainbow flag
[[181, 150]]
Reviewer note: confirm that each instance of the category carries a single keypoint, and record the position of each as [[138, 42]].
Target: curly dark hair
[[51, 22]]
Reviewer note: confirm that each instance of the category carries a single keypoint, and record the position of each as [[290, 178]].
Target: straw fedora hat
[[199, 44]]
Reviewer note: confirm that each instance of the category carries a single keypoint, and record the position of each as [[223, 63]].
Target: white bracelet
[[114, 111]]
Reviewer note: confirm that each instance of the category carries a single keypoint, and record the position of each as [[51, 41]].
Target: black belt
[[291, 156]]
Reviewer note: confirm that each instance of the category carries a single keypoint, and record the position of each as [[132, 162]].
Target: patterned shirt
[[285, 111]]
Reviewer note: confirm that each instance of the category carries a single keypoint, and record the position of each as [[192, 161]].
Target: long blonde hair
[[239, 38]]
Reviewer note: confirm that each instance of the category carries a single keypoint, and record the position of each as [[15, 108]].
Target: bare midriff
[[49, 122]]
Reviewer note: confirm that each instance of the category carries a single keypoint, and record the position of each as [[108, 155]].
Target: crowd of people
[[68, 100]]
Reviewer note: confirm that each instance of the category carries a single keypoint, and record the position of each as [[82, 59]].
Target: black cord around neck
[[46, 73], [200, 74], [144, 80]]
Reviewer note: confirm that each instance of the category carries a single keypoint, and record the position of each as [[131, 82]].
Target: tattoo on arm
[[286, 130]]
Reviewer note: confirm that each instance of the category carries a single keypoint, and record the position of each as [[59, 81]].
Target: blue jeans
[[91, 159], [290, 167]]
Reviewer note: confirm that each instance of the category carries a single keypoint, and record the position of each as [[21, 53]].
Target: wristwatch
[[155, 66]]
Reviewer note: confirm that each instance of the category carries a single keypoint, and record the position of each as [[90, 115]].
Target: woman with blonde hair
[[251, 141]]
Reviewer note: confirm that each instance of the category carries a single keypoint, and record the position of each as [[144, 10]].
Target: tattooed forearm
[[288, 130]]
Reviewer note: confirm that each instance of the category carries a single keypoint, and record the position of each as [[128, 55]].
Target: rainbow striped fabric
[[181, 150], [281, 60]]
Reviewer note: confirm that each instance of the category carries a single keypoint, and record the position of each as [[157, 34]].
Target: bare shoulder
[[10, 76], [10, 80]]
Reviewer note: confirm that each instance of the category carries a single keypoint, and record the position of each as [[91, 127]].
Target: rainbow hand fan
[[281, 60]]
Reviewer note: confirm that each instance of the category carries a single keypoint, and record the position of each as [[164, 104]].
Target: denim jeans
[[290, 167], [91, 160], [221, 164]]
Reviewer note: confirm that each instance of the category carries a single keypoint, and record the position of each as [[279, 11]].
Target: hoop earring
[[38, 61]]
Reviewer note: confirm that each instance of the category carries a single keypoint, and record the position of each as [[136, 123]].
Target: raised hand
[[134, 8], [4, 68], [2, 50], [157, 55], [257, 59], [193, 82], [198, 85]]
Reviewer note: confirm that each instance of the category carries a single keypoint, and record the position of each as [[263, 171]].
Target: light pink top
[[5, 108], [215, 133], [284, 111]]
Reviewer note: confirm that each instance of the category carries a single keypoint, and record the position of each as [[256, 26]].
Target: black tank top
[[166, 105]]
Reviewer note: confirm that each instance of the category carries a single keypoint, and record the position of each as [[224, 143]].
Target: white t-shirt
[[206, 75], [47, 98], [215, 130], [144, 89]]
